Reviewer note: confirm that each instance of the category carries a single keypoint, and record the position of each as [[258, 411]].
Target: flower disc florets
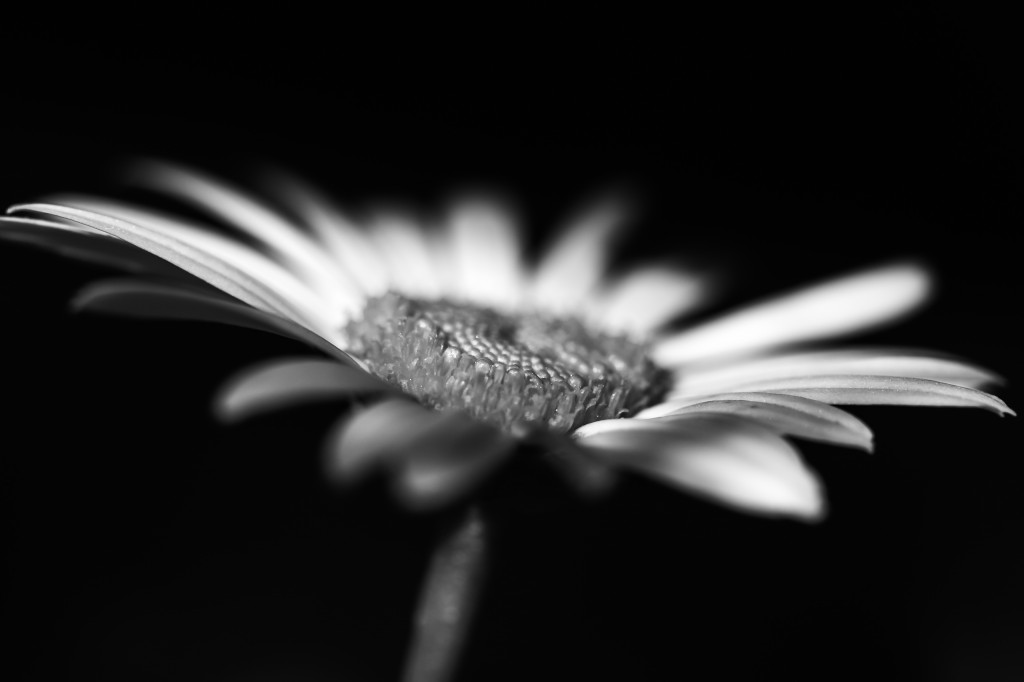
[[525, 370]]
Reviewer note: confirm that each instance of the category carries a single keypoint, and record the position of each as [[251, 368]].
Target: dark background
[[147, 542]]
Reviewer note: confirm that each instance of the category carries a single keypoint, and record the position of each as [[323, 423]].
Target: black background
[[146, 542]]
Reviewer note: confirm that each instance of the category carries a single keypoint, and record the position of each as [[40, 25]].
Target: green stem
[[447, 601]]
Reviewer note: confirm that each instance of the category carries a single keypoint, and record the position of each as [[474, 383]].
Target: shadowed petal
[[849, 304], [82, 243], [722, 457], [216, 261], [785, 414], [286, 382], [915, 363], [154, 300], [573, 266], [435, 456], [846, 389]]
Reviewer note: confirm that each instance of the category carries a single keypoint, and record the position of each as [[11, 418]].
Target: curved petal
[[486, 251], [784, 414], [730, 460], [847, 389], [646, 298], [289, 381], [252, 217], [573, 266], [407, 253], [76, 241], [916, 363], [849, 304], [154, 300], [221, 263]]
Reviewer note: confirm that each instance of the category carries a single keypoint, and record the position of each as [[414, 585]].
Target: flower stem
[[447, 601]]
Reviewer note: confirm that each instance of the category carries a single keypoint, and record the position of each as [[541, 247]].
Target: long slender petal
[[83, 243], [728, 459], [785, 414], [846, 389], [487, 252], [848, 304], [217, 262], [251, 216], [916, 363], [407, 253], [288, 381], [573, 266]]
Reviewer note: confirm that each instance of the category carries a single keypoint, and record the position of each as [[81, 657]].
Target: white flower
[[470, 350]]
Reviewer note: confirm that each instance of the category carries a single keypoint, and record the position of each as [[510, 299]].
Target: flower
[[467, 351]]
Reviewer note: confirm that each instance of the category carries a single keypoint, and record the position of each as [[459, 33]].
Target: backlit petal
[[487, 252]]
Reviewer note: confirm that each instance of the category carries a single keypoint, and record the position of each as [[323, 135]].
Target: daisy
[[458, 353], [466, 349]]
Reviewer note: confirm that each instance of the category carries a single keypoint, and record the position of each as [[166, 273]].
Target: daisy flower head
[[459, 348]]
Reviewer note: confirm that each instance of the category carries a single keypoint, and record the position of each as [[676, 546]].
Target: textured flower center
[[513, 371]]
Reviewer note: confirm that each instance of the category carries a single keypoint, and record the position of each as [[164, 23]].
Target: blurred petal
[[82, 243], [252, 217], [436, 456], [286, 382], [404, 248], [573, 267], [847, 389], [222, 263], [646, 298], [849, 304], [915, 363], [722, 457], [785, 414], [348, 244], [487, 253]]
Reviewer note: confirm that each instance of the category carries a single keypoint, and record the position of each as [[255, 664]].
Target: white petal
[[919, 364], [224, 264], [846, 389], [572, 268], [646, 298], [251, 216], [849, 304], [785, 414], [487, 253], [727, 459], [284, 382], [407, 253], [347, 244]]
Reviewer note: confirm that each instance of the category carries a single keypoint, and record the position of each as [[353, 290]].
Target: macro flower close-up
[[457, 348]]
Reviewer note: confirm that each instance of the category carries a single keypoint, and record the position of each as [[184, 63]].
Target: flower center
[[520, 371]]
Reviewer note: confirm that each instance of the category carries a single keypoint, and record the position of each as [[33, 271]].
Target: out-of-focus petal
[[486, 249], [219, 262], [252, 217], [919, 364], [643, 300], [155, 300], [78, 241], [849, 304], [435, 456], [285, 382], [722, 457], [847, 389], [573, 266], [407, 253], [347, 244], [785, 414]]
